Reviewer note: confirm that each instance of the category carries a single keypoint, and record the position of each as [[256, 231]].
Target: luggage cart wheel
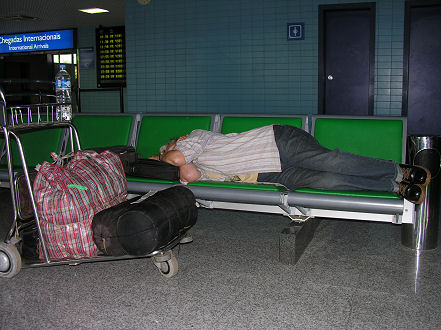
[[166, 263], [10, 260]]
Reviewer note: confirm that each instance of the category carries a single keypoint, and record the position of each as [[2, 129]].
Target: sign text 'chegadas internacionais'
[[36, 41]]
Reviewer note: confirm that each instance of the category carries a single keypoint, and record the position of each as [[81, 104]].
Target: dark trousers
[[307, 164]]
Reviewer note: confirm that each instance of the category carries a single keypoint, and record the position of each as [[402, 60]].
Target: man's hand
[[182, 138], [189, 173]]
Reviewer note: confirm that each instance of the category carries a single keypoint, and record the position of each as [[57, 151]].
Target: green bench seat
[[369, 136], [242, 123], [216, 184], [372, 194], [240, 185], [156, 130], [378, 137], [37, 147], [99, 130], [145, 180]]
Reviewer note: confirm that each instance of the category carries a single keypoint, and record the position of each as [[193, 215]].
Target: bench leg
[[294, 239]]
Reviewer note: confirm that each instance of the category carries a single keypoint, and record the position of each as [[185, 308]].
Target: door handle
[[330, 77]]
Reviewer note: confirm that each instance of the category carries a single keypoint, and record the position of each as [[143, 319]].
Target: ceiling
[[57, 14]]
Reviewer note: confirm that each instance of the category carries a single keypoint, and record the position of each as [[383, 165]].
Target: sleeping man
[[289, 156]]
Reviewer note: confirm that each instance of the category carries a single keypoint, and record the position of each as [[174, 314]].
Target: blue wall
[[233, 56]]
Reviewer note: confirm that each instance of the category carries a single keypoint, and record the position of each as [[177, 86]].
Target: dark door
[[23, 77], [422, 67], [346, 59]]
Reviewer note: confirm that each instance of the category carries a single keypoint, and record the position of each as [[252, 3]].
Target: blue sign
[[37, 42], [296, 31]]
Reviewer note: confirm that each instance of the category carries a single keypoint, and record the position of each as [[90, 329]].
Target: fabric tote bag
[[68, 196]]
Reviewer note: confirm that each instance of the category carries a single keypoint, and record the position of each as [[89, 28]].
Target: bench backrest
[[37, 145], [104, 130], [241, 123], [156, 130], [379, 137]]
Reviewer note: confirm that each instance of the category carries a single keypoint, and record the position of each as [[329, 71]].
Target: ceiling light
[[94, 10]]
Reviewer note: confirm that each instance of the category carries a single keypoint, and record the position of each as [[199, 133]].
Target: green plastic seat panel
[[156, 131], [372, 194], [240, 185], [367, 137], [37, 146], [137, 179], [234, 124], [236, 185], [103, 131], [378, 138]]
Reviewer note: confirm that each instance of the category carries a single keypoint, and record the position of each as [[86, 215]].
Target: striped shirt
[[232, 154]]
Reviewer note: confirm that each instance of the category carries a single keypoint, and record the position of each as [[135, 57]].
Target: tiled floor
[[353, 275]]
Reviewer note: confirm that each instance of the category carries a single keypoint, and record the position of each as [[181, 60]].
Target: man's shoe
[[187, 238], [415, 174], [414, 193]]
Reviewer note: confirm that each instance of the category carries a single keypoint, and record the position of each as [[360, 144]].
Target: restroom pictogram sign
[[296, 31]]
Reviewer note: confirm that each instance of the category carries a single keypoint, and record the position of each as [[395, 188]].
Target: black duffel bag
[[141, 227], [28, 245], [127, 155], [6, 213], [134, 165], [153, 169]]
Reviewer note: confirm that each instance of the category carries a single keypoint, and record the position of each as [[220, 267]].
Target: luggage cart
[[19, 119]]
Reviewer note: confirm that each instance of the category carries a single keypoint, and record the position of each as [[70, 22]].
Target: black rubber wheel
[[168, 268], [10, 260]]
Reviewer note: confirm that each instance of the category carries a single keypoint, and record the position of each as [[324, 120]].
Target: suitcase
[[142, 226], [134, 165], [126, 154], [153, 169]]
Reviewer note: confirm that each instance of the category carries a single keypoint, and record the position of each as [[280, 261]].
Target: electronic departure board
[[111, 56]]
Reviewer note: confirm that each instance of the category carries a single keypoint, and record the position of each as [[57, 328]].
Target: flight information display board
[[111, 56]]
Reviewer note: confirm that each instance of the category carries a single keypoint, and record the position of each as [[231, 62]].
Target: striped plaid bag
[[67, 198]]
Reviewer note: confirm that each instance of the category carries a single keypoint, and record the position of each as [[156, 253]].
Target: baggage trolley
[[19, 119]]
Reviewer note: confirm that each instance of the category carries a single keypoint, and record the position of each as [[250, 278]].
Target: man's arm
[[188, 171]]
